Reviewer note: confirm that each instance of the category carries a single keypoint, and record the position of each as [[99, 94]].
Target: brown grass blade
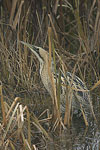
[[29, 128], [38, 125], [67, 114], [10, 121], [12, 106], [85, 120], [53, 27], [55, 103], [16, 20], [95, 86], [14, 3], [2, 105]]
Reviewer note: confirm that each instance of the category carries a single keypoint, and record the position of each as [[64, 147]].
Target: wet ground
[[78, 136]]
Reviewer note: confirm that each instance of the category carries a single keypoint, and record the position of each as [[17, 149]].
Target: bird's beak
[[31, 47], [34, 49]]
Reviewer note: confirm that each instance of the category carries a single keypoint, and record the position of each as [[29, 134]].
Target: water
[[77, 137]]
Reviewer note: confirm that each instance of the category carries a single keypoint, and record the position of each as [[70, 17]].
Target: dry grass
[[68, 30], [19, 63], [17, 126]]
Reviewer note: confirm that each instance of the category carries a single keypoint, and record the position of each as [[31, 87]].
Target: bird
[[80, 95]]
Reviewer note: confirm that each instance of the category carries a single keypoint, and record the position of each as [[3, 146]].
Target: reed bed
[[69, 30], [16, 126]]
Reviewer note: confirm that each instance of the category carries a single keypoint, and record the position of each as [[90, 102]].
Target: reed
[[70, 30]]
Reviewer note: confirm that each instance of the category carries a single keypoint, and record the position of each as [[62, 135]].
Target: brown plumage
[[80, 93]]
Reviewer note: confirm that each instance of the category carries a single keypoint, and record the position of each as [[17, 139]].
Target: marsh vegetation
[[70, 32]]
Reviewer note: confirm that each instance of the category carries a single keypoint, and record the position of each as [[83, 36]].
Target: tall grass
[[76, 48], [17, 126], [68, 28]]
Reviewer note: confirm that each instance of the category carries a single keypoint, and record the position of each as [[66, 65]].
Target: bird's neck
[[45, 66]]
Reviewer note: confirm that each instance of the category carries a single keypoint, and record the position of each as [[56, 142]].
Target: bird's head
[[39, 52]]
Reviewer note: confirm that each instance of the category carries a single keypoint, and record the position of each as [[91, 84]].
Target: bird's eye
[[37, 49]]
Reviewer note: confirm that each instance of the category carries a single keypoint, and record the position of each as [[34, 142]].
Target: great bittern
[[80, 94]]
